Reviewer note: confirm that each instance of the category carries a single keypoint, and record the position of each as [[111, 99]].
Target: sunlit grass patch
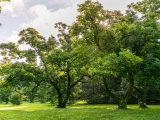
[[38, 111]]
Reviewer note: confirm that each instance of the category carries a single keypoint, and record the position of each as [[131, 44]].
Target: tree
[[148, 36], [62, 64], [118, 68], [92, 25], [100, 28], [148, 75], [120, 51]]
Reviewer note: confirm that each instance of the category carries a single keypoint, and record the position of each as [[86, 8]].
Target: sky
[[43, 14]]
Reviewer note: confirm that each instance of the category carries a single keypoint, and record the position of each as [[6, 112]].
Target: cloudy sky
[[43, 14]]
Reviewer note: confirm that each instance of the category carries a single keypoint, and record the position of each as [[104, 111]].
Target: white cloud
[[11, 7], [116, 4], [51, 4], [45, 19], [39, 10], [42, 17], [14, 37]]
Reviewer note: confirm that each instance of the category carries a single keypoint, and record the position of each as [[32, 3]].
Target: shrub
[[16, 99]]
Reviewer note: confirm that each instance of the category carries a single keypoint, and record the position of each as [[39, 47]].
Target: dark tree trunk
[[108, 91], [123, 101], [62, 100], [122, 104], [142, 98], [61, 103], [142, 103], [63, 96]]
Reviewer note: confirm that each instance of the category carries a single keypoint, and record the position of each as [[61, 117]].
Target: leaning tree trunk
[[124, 99], [108, 90], [142, 98]]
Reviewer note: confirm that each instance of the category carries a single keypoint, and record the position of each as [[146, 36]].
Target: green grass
[[37, 111]]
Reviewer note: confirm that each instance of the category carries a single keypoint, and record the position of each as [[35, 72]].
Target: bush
[[16, 99]]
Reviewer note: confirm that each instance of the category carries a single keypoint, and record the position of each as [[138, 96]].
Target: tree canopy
[[119, 51]]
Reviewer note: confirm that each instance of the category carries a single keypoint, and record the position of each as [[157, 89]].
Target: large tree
[[110, 31], [63, 62], [118, 69]]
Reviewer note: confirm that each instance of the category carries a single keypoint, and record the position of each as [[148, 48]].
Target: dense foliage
[[103, 57]]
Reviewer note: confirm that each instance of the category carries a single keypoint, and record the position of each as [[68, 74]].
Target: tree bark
[[142, 98], [123, 101], [108, 91], [122, 104], [61, 103], [142, 103]]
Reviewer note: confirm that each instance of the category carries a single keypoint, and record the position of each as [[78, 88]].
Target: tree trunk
[[142, 103], [122, 104], [142, 98], [108, 91], [123, 101], [61, 103]]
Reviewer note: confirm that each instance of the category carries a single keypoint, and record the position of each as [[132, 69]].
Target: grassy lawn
[[38, 111]]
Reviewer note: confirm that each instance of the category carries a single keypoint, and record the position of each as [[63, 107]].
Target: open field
[[37, 111]]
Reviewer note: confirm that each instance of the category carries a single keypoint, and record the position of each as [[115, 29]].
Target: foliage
[[117, 51], [15, 99]]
